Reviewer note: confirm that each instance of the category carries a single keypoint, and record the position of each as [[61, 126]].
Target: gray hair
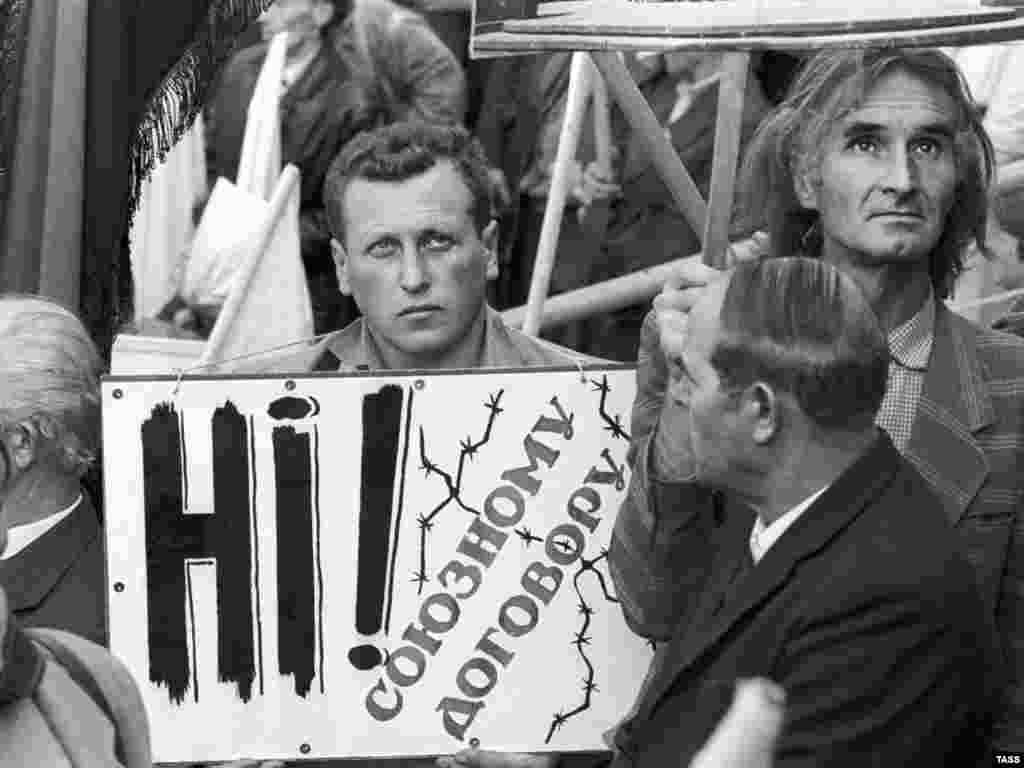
[[803, 326], [49, 378]]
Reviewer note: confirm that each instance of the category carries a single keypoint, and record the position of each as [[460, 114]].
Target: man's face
[[716, 428], [887, 175], [301, 19], [414, 262]]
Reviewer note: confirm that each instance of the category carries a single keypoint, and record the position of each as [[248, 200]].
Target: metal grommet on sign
[[474, 742], [118, 393], [119, 586], [419, 384], [305, 749], [289, 385]]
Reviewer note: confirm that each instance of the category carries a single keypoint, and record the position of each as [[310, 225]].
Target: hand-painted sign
[[331, 566]]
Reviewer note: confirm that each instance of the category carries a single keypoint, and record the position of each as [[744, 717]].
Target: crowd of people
[[823, 527]]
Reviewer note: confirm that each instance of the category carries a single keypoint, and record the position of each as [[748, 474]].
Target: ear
[[21, 445], [323, 12], [489, 238], [341, 265], [763, 411], [806, 187]]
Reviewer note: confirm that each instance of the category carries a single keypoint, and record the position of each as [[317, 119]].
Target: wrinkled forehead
[[900, 97]]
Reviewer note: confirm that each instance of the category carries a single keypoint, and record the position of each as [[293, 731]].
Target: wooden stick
[[602, 121], [663, 155], [609, 296], [225, 320], [995, 298], [568, 139], [728, 125]]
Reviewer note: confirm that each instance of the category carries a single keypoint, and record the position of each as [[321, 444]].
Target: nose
[[414, 277], [901, 173]]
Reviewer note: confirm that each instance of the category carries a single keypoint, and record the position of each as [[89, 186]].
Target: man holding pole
[[877, 163]]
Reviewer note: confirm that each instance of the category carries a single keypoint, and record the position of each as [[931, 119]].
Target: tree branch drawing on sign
[[581, 640], [468, 449], [611, 423]]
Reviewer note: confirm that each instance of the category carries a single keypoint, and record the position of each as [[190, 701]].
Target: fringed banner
[[177, 100], [14, 15]]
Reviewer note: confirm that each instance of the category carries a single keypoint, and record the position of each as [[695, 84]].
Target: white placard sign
[[332, 565]]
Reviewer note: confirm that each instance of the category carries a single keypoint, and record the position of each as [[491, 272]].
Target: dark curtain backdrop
[[148, 65]]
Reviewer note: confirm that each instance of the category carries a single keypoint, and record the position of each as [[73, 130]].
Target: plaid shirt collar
[[910, 344]]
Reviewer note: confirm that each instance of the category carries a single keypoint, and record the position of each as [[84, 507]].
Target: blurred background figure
[[53, 566], [992, 73]]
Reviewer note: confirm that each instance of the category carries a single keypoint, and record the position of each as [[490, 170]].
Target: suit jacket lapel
[[843, 501], [954, 406]]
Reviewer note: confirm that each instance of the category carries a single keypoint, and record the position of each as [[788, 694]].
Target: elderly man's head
[[876, 155], [409, 207], [49, 393], [779, 349]]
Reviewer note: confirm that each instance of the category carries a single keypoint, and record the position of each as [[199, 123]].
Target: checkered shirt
[[910, 347]]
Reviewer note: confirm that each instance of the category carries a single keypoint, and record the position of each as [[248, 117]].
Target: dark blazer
[[865, 611], [967, 441], [59, 580], [322, 110]]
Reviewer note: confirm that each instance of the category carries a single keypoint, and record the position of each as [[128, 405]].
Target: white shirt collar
[[762, 537], [20, 536]]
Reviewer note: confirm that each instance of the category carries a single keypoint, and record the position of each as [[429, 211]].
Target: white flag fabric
[[235, 223], [272, 307], [259, 164]]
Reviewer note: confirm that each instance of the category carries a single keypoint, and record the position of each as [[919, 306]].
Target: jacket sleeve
[[1009, 731], [431, 78], [661, 546], [877, 678]]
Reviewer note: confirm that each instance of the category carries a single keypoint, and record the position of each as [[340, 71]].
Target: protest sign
[[368, 565]]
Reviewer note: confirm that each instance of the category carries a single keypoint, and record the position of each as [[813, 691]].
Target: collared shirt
[[763, 536], [20, 536], [503, 347], [910, 348]]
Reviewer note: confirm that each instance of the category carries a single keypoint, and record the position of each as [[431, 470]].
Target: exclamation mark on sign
[[382, 422]]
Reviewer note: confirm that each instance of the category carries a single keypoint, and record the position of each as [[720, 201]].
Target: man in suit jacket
[[885, 659], [876, 163], [52, 564]]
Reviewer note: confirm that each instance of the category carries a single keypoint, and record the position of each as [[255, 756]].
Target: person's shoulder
[[1000, 352], [534, 351]]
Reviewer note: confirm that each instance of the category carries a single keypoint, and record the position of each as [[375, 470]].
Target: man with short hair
[[414, 243], [885, 659], [334, 84], [876, 163]]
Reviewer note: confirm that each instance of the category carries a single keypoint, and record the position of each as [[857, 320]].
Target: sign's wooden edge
[[511, 43], [113, 379], [660, 21]]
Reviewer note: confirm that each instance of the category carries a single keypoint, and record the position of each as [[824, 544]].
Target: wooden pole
[[286, 184], [728, 125], [609, 296], [568, 139], [602, 121], [642, 120]]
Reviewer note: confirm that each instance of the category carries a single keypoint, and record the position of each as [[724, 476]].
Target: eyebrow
[[860, 127]]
